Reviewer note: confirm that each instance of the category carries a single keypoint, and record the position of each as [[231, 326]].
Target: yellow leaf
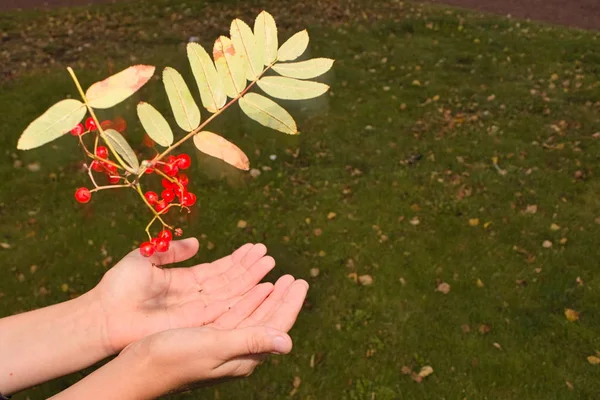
[[242, 224], [268, 113], [554, 227], [118, 87], [331, 215], [230, 66], [155, 125], [185, 110], [55, 122], [212, 92], [265, 32], [571, 315], [291, 89], [293, 47], [304, 69], [425, 371], [216, 146], [593, 360], [474, 221], [245, 45]]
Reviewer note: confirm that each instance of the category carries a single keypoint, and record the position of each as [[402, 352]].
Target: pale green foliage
[[304, 69], [55, 122], [293, 47], [118, 142], [268, 113], [185, 110], [155, 124], [246, 56], [265, 32], [290, 88], [245, 45], [230, 66], [212, 92]]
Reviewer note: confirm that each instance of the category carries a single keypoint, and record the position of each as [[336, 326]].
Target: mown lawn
[[459, 153]]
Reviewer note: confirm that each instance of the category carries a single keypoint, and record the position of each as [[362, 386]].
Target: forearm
[[130, 376], [44, 344]]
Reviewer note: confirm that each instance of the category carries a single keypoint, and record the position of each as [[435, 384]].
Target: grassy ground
[[424, 102]]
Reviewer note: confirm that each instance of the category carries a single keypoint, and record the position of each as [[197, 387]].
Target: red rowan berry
[[78, 130], [162, 245], [165, 234], [102, 152], [147, 249], [152, 197], [183, 161], [90, 124], [167, 195], [188, 199], [83, 195]]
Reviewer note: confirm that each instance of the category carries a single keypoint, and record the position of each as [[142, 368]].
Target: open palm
[[140, 298]]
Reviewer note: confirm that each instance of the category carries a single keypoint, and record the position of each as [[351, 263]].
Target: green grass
[[497, 98]]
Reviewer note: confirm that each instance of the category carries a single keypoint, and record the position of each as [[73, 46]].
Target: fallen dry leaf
[[571, 315], [5, 245], [554, 227], [425, 371], [547, 244], [474, 221], [365, 280], [405, 370], [314, 272], [443, 287], [415, 221], [242, 224], [331, 215], [318, 232], [485, 329], [594, 360], [531, 209]]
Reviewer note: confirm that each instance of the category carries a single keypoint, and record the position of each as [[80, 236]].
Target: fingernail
[[280, 344]]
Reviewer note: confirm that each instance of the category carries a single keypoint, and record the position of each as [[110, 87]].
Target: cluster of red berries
[[160, 243], [177, 187]]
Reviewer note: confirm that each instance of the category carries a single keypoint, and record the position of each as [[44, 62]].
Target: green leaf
[[212, 92], [185, 110], [304, 69], [293, 47], [217, 146], [268, 113], [245, 45], [155, 124], [229, 66], [118, 142], [118, 87], [291, 89], [55, 122], [265, 32]]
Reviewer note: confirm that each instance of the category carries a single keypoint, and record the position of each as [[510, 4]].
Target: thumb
[[179, 250], [254, 340]]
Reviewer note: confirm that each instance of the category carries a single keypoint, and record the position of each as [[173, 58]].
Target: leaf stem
[[98, 126]]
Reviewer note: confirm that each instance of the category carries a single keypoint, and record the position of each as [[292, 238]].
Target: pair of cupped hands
[[203, 323]]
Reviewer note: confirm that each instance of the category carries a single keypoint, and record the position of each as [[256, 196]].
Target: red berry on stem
[[160, 206], [167, 195], [147, 249], [183, 179], [102, 152], [152, 197], [110, 169], [83, 195], [149, 170], [114, 179], [165, 234], [171, 159], [178, 231], [167, 184], [188, 199], [96, 166], [170, 170], [180, 192], [90, 124], [184, 161], [78, 130], [162, 245]]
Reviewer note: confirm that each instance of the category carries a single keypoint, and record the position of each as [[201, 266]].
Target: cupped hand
[[139, 298], [231, 346]]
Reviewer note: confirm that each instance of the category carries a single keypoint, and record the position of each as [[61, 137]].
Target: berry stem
[[138, 188], [215, 115], [98, 126], [108, 187]]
